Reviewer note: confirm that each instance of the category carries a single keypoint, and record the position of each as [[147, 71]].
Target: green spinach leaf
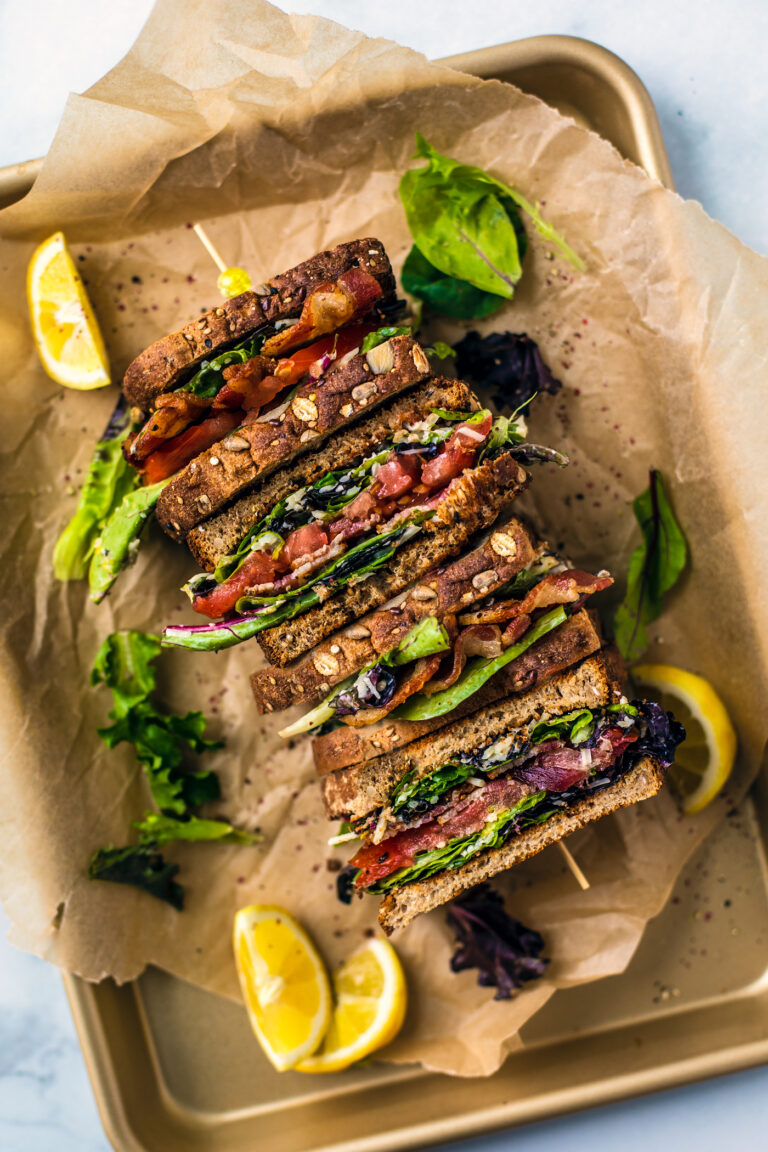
[[445, 295], [653, 570]]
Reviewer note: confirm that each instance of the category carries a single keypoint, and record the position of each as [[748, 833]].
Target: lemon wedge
[[704, 761], [284, 983], [64, 327], [369, 1009]]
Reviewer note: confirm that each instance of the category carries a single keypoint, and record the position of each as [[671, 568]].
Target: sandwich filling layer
[[482, 797], [437, 666], [233, 387], [343, 527]]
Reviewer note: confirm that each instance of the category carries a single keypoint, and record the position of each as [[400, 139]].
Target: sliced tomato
[[471, 436], [397, 476], [176, 454], [458, 454], [303, 543], [259, 568]]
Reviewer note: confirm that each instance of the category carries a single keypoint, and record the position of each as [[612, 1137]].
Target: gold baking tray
[[175, 1069]]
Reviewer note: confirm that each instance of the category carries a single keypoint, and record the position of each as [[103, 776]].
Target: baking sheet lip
[[628, 1085]]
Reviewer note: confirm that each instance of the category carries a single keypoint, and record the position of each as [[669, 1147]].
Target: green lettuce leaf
[[118, 542], [108, 480], [573, 728], [653, 570], [160, 829], [475, 674], [412, 792], [373, 339], [208, 380]]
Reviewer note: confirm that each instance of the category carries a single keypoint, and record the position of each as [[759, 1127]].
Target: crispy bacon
[[249, 385], [379, 860], [413, 681], [175, 411], [479, 640], [555, 588], [326, 308], [175, 454]]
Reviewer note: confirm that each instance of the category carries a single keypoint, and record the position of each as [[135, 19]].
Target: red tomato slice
[[398, 475], [302, 543], [258, 568], [175, 454], [458, 453]]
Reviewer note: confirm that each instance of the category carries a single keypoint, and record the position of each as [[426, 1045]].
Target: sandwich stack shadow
[[353, 511]]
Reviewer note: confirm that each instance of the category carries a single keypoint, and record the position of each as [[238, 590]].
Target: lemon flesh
[[369, 1010], [65, 330], [284, 983], [704, 761]]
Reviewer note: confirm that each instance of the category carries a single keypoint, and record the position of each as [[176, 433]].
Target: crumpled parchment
[[286, 134]]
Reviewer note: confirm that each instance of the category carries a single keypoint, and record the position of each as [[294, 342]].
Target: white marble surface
[[704, 64]]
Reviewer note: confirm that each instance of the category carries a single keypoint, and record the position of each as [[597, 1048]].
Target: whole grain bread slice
[[509, 549], [348, 748], [221, 535], [472, 503], [400, 906], [249, 455], [167, 362], [363, 789]]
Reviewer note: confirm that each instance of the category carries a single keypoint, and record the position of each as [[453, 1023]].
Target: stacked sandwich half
[[353, 511]]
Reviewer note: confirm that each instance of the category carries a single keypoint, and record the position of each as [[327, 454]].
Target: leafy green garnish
[[124, 664], [412, 792], [109, 478], [456, 852], [573, 727], [118, 542], [209, 380], [446, 295], [461, 220], [141, 866], [442, 350], [373, 339], [653, 570], [475, 674]]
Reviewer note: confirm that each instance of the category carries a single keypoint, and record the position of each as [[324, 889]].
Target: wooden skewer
[[205, 240], [579, 876]]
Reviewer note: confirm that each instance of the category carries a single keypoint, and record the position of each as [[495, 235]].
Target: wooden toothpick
[[205, 240], [579, 876]]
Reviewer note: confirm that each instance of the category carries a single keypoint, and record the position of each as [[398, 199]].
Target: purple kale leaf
[[505, 952], [508, 364]]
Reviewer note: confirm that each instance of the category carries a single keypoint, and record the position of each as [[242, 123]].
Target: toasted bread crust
[[402, 905], [363, 788], [473, 502], [166, 362], [232, 467], [220, 535], [497, 560], [349, 747]]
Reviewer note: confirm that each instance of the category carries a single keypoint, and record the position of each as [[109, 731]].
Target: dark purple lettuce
[[506, 953], [509, 364], [361, 694], [660, 734]]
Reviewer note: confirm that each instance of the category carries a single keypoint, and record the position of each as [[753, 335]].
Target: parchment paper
[[288, 134]]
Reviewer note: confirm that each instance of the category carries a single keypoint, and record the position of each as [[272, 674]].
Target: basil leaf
[[118, 543], [475, 674], [109, 478], [443, 294], [373, 339], [141, 866], [653, 570]]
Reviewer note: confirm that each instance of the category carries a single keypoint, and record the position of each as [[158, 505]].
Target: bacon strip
[[555, 588], [327, 308]]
